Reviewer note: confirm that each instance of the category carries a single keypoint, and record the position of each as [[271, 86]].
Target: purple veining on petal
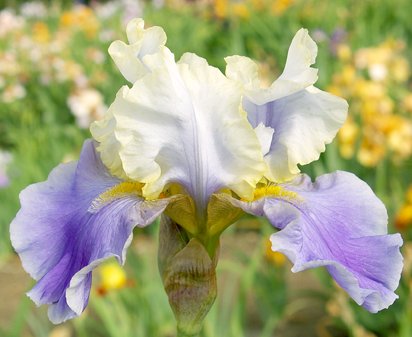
[[59, 241]]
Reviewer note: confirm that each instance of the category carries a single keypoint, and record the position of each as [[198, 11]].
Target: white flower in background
[[95, 55], [378, 71], [107, 35], [5, 159], [13, 93], [9, 65], [68, 70], [33, 9], [25, 42], [107, 10], [35, 55], [158, 3], [131, 9], [9, 22], [86, 105]]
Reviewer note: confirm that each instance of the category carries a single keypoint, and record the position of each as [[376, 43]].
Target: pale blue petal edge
[[60, 241], [339, 223]]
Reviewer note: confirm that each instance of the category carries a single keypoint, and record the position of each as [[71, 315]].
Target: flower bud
[[189, 277]]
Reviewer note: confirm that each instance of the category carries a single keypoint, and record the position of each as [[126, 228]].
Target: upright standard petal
[[336, 222], [131, 60], [70, 223], [303, 118], [108, 145], [297, 75], [182, 123], [129, 57], [302, 124]]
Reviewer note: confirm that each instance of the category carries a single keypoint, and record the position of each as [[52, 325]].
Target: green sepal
[[189, 277], [181, 210], [221, 213]]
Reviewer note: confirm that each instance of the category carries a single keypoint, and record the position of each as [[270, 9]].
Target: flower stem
[[184, 334]]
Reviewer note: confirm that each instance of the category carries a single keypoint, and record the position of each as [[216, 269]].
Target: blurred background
[[56, 77]]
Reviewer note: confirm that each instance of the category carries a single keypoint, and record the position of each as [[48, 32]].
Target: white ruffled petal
[[129, 57], [265, 136], [183, 123], [303, 117], [109, 147], [303, 123], [297, 75], [243, 70]]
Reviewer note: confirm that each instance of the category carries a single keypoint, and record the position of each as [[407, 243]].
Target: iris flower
[[204, 147]]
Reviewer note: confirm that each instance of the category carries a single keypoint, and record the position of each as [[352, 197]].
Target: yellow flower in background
[[221, 8], [369, 89], [400, 141], [280, 6], [258, 4], [372, 149], [400, 69], [241, 10], [224, 9], [41, 32], [403, 218], [383, 61], [336, 90], [347, 137], [344, 52], [81, 18], [275, 258], [407, 103], [368, 77], [112, 277], [348, 74]]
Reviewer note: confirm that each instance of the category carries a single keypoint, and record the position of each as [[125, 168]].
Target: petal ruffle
[[144, 54], [297, 75], [69, 224], [109, 147], [303, 117], [336, 222], [182, 123], [303, 123], [129, 57]]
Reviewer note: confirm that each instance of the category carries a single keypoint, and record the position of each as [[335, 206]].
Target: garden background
[[56, 77]]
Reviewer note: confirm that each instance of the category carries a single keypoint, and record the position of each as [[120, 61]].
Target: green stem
[[184, 334]]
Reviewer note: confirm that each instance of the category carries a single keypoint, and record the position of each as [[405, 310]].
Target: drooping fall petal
[[336, 222], [71, 223]]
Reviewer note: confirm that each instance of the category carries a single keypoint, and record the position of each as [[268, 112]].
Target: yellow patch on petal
[[116, 192], [274, 191]]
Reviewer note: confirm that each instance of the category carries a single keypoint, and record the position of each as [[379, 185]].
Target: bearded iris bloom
[[203, 148]]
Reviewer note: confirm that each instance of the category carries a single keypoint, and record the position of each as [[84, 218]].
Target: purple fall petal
[[339, 223], [60, 240]]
